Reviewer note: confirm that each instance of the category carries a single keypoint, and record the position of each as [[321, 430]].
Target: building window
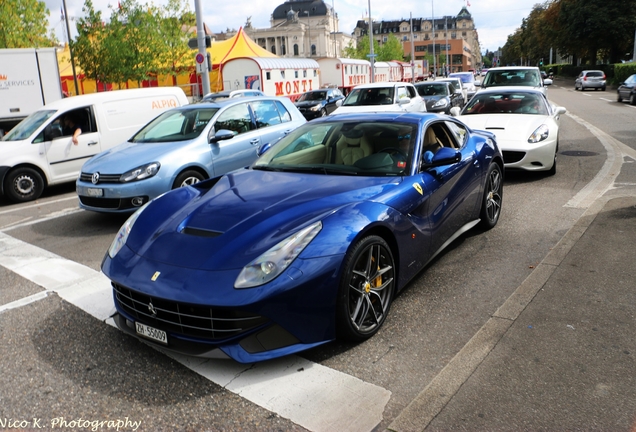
[[273, 49], [296, 74], [464, 25], [313, 50], [282, 74], [296, 50], [283, 50], [384, 39], [268, 76], [315, 73], [304, 73]]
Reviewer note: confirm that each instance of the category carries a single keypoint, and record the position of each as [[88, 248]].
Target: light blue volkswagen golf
[[181, 147]]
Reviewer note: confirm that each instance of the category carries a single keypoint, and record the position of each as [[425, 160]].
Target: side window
[[284, 114], [266, 113], [401, 93], [412, 92], [236, 118], [459, 133]]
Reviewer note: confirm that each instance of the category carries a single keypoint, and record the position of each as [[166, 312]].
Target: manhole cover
[[578, 153]]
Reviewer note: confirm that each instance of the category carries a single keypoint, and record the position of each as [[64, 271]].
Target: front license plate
[[151, 333], [94, 192]]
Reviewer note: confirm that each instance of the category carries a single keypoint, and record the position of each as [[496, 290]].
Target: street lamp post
[[371, 54]]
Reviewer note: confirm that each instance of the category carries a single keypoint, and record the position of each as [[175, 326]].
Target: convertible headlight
[[124, 231], [440, 103], [140, 173], [540, 134], [273, 262], [315, 108]]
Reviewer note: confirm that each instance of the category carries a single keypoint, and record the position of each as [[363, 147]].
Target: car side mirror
[[455, 111], [444, 156], [221, 135], [339, 102], [403, 101], [560, 111]]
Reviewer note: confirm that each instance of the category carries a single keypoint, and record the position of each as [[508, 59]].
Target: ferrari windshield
[[507, 103], [368, 148], [175, 125], [26, 127]]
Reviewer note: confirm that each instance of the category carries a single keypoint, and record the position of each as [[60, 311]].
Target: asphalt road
[[62, 361]]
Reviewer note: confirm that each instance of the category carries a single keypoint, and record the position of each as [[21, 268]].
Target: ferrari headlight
[[315, 108], [440, 103], [273, 262], [124, 231], [140, 173], [540, 134]]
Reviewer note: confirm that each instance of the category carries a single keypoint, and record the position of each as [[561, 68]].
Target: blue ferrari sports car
[[308, 244]]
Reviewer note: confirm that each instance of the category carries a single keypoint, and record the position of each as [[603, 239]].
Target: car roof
[[233, 101], [381, 84], [509, 89], [502, 68]]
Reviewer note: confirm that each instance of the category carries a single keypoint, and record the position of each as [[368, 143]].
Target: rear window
[[595, 74]]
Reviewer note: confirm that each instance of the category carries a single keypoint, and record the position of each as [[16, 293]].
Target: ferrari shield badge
[[418, 188], [156, 275]]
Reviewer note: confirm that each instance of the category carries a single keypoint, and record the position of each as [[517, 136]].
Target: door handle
[[92, 143], [255, 141]]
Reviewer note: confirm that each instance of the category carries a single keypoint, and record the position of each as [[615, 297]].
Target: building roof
[[315, 8]]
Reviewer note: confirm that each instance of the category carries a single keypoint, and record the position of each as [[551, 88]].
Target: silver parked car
[[590, 79], [181, 147]]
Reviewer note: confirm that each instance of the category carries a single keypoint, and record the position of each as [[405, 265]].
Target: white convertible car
[[525, 123]]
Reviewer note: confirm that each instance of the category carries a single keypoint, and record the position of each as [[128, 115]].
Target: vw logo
[[152, 309], [95, 178]]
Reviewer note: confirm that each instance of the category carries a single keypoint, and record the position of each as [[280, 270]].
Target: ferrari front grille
[[191, 320]]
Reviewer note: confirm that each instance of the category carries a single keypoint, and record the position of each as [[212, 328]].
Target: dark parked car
[[627, 90], [590, 79], [439, 96], [319, 103]]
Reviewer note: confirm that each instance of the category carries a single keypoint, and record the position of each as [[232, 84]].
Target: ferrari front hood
[[243, 214]]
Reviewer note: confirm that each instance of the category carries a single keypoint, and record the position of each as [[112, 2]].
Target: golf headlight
[[315, 108], [140, 173], [540, 134], [440, 103], [273, 262], [124, 231]]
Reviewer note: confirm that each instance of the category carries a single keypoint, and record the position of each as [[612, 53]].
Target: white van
[[38, 152]]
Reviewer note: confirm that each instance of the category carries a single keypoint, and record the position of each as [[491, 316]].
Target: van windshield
[[175, 125], [26, 127]]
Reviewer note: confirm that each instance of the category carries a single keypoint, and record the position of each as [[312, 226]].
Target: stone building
[[450, 37], [301, 28]]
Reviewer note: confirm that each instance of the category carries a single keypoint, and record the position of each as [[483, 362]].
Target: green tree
[[88, 47], [391, 50], [361, 51], [23, 24], [175, 20]]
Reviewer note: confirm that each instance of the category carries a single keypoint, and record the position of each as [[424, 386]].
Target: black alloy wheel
[[493, 198], [366, 289]]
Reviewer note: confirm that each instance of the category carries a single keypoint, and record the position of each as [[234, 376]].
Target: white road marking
[[605, 178], [30, 221], [608, 100], [311, 395], [38, 204]]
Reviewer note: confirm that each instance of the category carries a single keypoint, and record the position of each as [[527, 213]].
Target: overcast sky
[[494, 19]]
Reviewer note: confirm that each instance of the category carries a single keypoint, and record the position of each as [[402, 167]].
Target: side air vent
[[200, 232]]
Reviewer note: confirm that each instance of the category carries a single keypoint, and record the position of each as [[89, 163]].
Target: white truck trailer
[[29, 79]]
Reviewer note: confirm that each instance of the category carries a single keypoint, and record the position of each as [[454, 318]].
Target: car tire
[[23, 184], [366, 290], [632, 99], [492, 199], [187, 178], [619, 98], [603, 88]]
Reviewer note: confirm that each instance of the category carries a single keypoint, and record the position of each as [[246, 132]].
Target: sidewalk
[[560, 354]]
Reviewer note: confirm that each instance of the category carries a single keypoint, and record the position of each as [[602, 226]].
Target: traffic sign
[[199, 58]]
